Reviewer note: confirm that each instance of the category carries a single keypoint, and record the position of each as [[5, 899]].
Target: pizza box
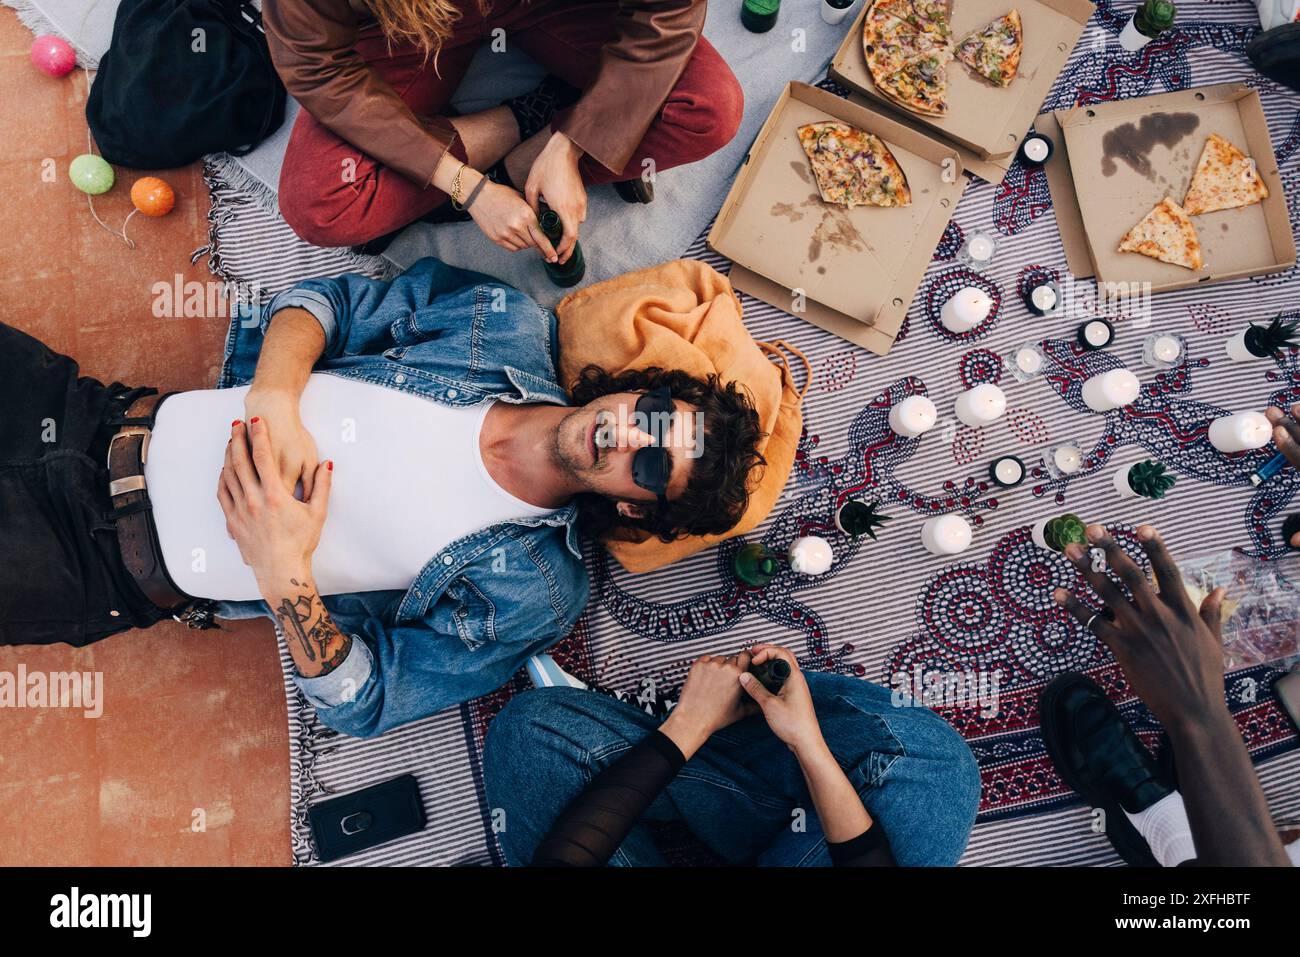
[[989, 120], [1123, 157], [853, 272]]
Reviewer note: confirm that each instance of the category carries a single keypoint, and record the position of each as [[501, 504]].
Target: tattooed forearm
[[316, 644]]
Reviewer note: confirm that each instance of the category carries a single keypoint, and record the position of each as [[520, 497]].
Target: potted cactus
[[857, 517], [1150, 20], [1146, 478], [1055, 533], [1263, 342]]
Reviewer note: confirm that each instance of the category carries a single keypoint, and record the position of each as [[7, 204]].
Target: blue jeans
[[742, 794]]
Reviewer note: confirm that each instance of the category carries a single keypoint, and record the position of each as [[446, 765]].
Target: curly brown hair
[[718, 491]]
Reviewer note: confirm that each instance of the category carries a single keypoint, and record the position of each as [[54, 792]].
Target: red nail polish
[[235, 423], [256, 418], [330, 465]]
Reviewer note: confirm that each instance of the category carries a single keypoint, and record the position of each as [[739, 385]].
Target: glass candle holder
[[1163, 350], [977, 252], [1064, 459], [1026, 362]]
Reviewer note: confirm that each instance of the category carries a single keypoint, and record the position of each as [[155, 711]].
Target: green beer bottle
[[562, 274], [771, 674], [759, 16], [754, 565]]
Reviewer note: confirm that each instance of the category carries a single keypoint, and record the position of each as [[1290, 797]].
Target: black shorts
[[61, 575]]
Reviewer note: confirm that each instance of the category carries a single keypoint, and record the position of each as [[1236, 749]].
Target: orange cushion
[[685, 315]]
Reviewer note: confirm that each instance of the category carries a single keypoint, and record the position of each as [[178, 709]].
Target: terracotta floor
[[191, 721]]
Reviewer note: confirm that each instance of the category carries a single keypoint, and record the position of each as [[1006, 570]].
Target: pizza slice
[[1225, 178], [1166, 233], [921, 85], [935, 12], [994, 52], [910, 12], [888, 43], [853, 167]]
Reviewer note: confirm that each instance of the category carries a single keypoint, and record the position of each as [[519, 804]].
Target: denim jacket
[[486, 602]]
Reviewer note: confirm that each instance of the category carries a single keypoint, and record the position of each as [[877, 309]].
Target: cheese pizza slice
[[1167, 234], [1225, 178]]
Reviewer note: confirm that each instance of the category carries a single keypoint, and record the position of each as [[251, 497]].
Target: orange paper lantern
[[152, 196]]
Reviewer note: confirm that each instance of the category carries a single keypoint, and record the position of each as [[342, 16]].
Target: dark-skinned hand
[[1286, 436], [1170, 650]]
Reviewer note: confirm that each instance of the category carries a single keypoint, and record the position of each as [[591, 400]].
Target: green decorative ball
[[91, 174]]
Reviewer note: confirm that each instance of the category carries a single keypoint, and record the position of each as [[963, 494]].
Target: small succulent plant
[[1063, 530], [856, 518], [1154, 17], [1265, 341], [1149, 480]]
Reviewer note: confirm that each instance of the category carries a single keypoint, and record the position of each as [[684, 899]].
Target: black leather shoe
[[1098, 754], [635, 190]]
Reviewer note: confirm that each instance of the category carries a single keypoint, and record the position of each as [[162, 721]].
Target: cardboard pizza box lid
[[986, 119], [1125, 156], [833, 265]]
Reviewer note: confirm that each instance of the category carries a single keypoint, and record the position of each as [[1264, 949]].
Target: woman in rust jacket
[[632, 88]]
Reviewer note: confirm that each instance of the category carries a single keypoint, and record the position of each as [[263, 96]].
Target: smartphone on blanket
[[350, 823]]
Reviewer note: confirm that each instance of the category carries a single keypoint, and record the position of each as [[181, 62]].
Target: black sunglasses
[[652, 465]]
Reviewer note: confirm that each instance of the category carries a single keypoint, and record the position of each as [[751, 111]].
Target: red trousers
[[700, 116]]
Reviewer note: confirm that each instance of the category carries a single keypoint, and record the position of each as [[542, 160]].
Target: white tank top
[[409, 479]]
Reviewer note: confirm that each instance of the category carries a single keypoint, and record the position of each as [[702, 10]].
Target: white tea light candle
[[1029, 360], [1166, 349], [980, 247], [981, 405], [1095, 334], [1067, 459], [1110, 390], [1241, 432], [811, 555], [967, 308], [1035, 150], [1007, 471], [913, 417], [1162, 350], [946, 535], [1044, 298]]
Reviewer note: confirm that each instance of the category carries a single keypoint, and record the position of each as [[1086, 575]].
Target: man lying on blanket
[[433, 545]]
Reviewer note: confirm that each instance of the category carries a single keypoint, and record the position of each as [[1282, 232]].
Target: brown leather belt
[[132, 514]]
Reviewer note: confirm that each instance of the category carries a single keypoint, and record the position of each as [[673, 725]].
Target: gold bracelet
[[456, 194]]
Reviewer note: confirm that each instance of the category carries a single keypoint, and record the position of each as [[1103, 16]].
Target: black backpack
[[1276, 54], [183, 78]]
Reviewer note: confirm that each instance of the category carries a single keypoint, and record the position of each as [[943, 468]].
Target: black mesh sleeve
[[868, 849], [591, 828]]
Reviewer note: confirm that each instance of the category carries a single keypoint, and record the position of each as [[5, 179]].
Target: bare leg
[[519, 161], [487, 135]]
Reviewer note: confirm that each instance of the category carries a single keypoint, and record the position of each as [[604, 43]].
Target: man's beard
[[560, 455]]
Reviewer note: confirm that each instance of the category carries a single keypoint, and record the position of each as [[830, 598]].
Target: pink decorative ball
[[53, 55]]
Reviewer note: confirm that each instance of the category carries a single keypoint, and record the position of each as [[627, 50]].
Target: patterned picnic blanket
[[889, 607]]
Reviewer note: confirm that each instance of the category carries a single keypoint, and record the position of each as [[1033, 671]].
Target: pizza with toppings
[[1166, 233], [853, 167], [921, 84], [994, 52], [1225, 178], [908, 43]]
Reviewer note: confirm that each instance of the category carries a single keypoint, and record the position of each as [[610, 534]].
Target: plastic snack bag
[[1261, 607]]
